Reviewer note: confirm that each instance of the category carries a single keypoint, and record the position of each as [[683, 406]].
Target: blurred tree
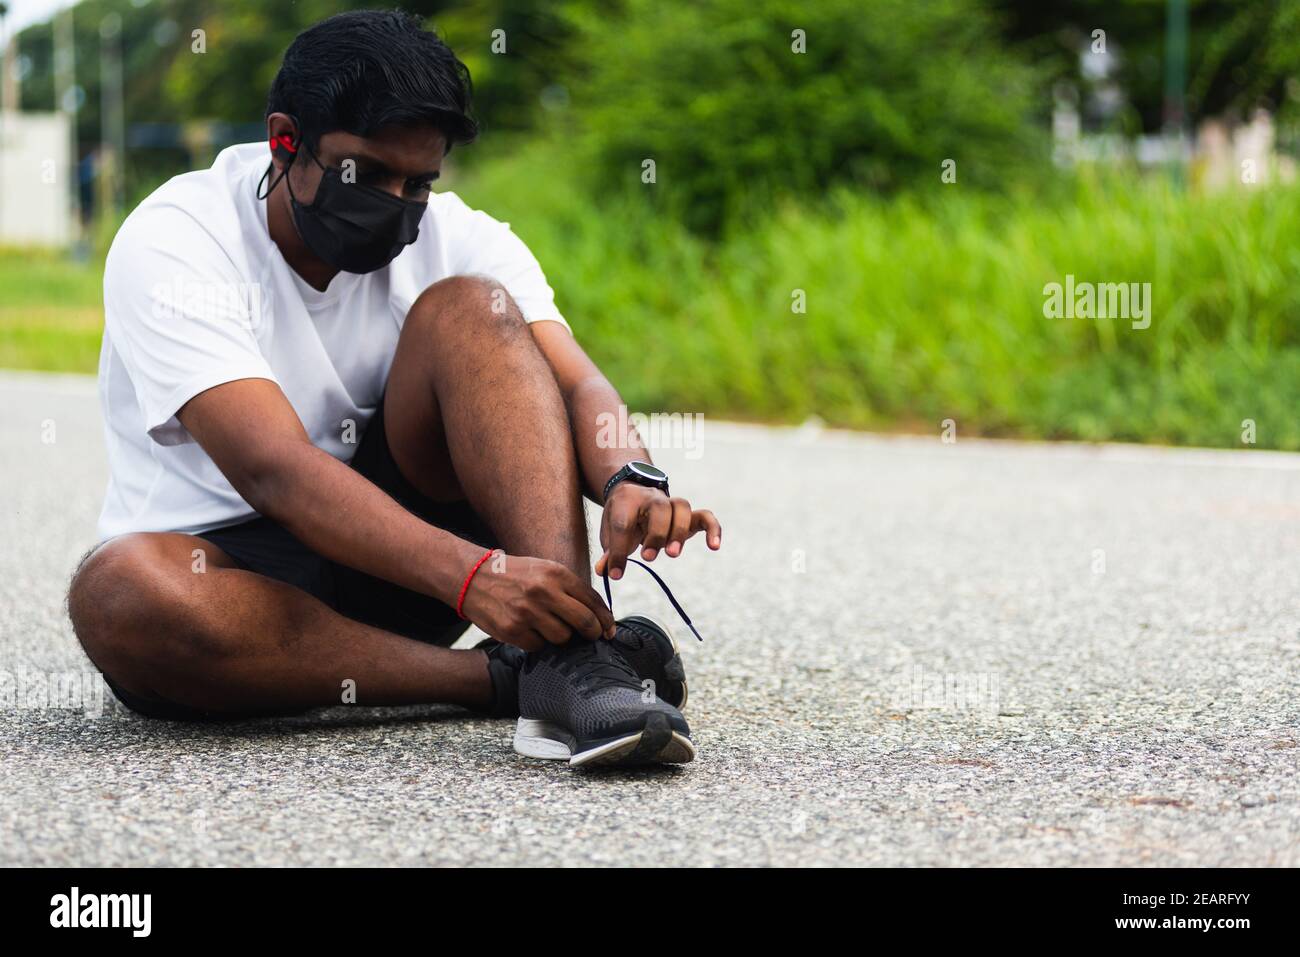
[[175, 74], [513, 89], [885, 90], [171, 78], [1241, 54], [720, 96], [246, 40], [150, 38], [244, 43]]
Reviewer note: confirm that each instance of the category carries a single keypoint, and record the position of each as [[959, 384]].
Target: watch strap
[[627, 474]]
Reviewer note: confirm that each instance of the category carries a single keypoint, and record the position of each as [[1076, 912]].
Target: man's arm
[[252, 433], [634, 515]]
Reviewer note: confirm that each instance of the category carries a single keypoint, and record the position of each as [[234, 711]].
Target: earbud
[[283, 145], [284, 149]]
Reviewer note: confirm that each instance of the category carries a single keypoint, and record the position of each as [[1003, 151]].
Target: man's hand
[[528, 602], [638, 515]]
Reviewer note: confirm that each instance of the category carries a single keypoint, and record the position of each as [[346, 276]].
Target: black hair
[[364, 69]]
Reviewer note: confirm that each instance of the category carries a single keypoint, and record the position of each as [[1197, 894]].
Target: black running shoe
[[651, 650], [648, 646], [504, 662], [582, 702]]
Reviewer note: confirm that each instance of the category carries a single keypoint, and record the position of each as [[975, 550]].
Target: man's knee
[[468, 304], [132, 607]]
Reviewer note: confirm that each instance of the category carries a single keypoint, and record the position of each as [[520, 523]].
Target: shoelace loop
[[596, 659], [609, 598]]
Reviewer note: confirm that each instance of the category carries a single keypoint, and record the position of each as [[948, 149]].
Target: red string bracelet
[[460, 602]]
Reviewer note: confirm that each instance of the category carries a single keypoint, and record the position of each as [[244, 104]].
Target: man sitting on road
[[345, 419]]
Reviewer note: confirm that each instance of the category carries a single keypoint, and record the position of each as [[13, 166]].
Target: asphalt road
[[915, 654]]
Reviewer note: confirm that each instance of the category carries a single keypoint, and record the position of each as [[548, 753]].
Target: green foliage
[[735, 119], [1239, 55], [245, 42], [50, 312], [930, 306], [510, 86], [153, 36], [919, 308], [247, 39], [818, 171]]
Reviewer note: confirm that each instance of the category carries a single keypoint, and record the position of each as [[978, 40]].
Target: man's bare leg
[[230, 641], [474, 412]]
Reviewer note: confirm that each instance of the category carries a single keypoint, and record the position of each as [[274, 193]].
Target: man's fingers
[[704, 520], [659, 522], [526, 638], [623, 519], [552, 628], [579, 617], [681, 527], [598, 608], [578, 592], [531, 641]]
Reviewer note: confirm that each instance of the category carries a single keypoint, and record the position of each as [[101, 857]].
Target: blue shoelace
[[609, 598]]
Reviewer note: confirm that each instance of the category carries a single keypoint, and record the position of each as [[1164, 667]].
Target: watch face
[[646, 470]]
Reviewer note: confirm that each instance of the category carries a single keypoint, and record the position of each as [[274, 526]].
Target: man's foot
[[651, 650], [504, 662], [582, 702], [647, 645]]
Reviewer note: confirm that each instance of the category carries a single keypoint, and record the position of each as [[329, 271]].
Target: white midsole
[[550, 742], [542, 739]]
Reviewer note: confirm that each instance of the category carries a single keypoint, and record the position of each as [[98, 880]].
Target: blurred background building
[[35, 198]]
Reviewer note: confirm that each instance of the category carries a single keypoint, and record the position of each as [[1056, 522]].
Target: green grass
[[919, 308], [931, 307], [51, 312]]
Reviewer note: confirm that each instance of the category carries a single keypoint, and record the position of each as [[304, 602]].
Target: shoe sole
[[674, 670], [656, 743]]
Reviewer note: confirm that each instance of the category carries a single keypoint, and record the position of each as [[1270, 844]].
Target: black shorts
[[266, 547]]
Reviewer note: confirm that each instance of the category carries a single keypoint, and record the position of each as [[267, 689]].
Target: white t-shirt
[[197, 294]]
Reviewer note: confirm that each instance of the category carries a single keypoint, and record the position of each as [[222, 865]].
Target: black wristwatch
[[642, 473]]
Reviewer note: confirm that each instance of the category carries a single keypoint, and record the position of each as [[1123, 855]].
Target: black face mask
[[352, 227]]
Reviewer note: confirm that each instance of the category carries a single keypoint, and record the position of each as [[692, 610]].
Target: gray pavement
[[915, 654]]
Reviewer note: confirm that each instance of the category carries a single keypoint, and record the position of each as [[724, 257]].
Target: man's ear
[[284, 146], [283, 138]]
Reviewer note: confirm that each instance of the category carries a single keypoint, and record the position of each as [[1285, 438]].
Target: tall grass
[[919, 308], [930, 306], [50, 311]]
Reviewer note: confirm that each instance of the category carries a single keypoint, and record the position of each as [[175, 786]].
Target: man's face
[[403, 161]]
